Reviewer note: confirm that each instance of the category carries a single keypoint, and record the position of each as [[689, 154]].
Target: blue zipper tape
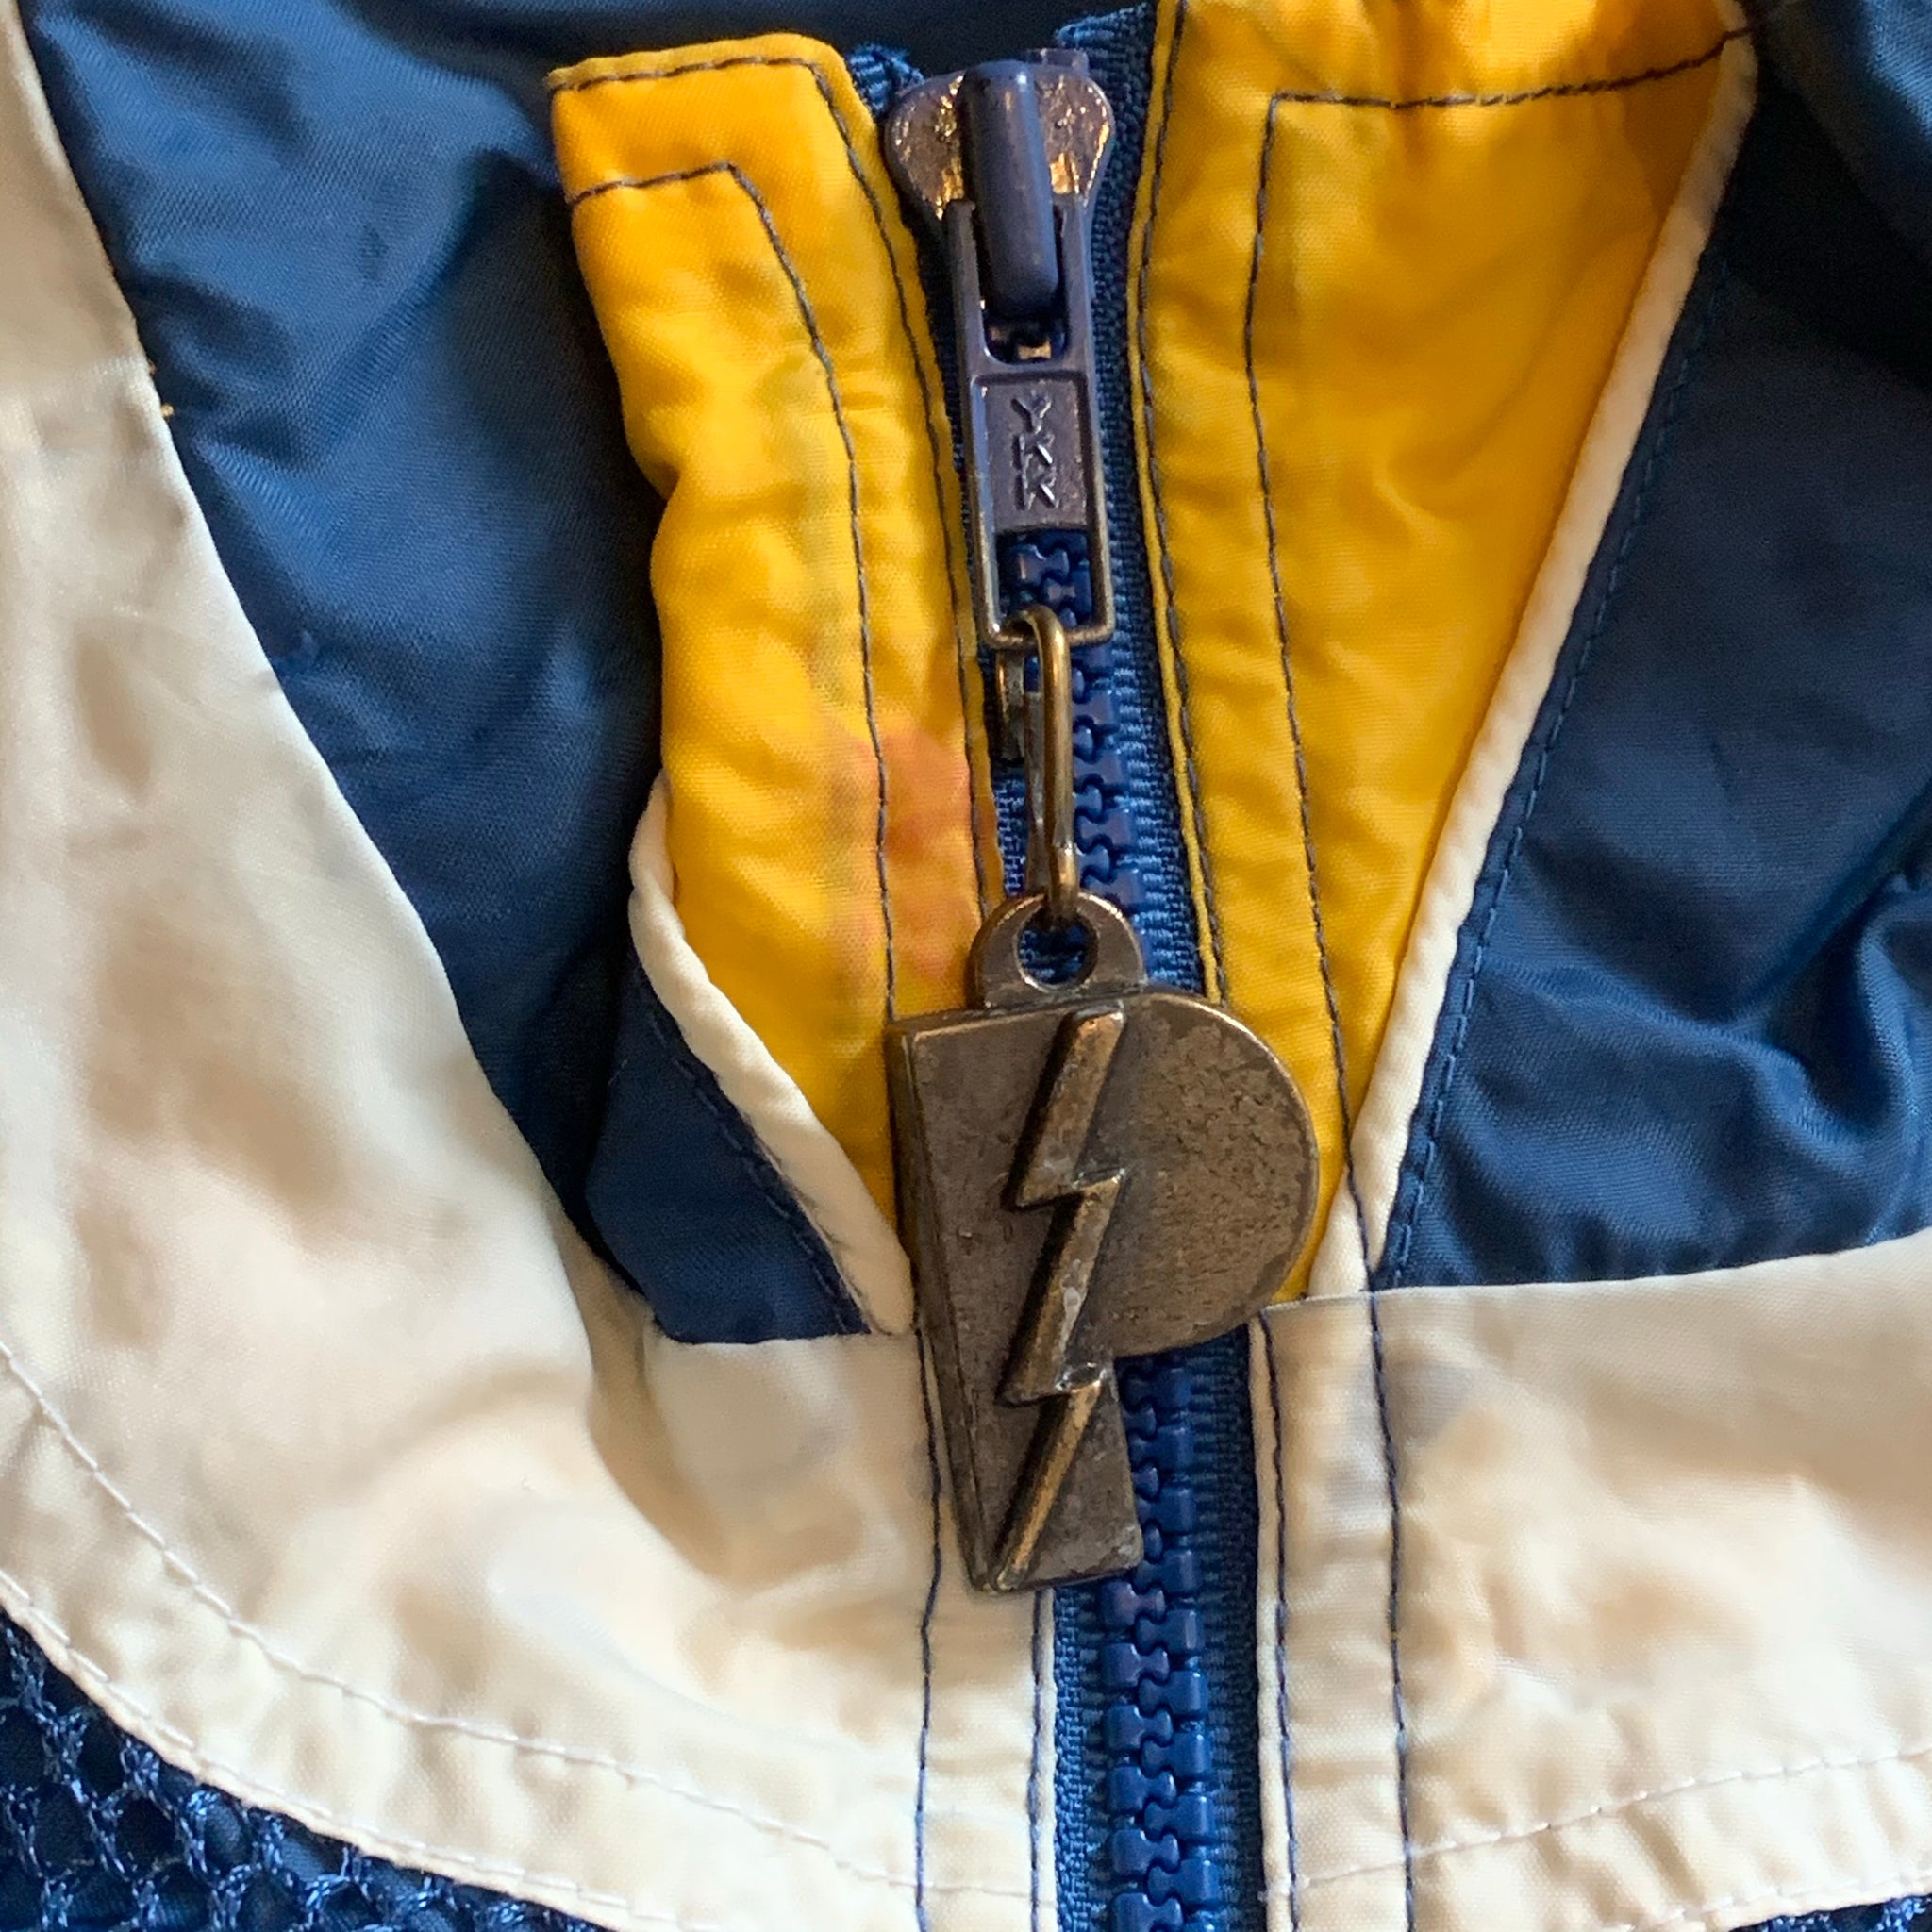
[[1156, 1789]]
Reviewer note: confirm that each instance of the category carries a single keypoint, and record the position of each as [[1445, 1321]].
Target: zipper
[[1157, 1747]]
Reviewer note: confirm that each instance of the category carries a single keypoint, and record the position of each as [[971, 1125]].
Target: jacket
[[502, 741]]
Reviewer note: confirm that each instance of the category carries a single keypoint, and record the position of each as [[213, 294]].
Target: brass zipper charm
[[1089, 1168]]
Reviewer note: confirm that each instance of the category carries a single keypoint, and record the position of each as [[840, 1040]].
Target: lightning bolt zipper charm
[[1045, 1368], [1089, 1167]]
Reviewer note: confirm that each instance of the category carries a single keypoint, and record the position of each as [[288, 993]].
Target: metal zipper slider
[[1004, 160], [1089, 1167]]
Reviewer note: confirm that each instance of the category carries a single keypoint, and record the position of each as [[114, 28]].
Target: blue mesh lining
[[1899, 1915], [97, 1835]]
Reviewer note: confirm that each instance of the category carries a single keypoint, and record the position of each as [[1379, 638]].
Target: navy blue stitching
[[947, 535], [932, 1598], [1397, 1698], [878, 215], [1033, 1766], [1557, 90], [756, 1164], [1281, 1709], [1336, 1049], [1167, 584], [1667, 424], [838, 401]]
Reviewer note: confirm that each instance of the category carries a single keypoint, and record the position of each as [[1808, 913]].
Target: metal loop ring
[[1053, 864]]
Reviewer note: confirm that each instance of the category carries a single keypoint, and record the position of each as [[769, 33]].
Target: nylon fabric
[[1705, 916], [97, 1835], [1655, 1553], [389, 395], [338, 1470], [374, 354], [1356, 1233], [1386, 256], [869, 1281], [759, 296], [690, 1249], [1864, 68], [375, 1136]]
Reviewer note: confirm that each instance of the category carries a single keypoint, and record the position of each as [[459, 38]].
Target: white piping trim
[[1381, 1129], [835, 1199]]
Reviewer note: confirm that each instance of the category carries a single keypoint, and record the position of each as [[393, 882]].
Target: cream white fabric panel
[[1655, 1647], [331, 1463]]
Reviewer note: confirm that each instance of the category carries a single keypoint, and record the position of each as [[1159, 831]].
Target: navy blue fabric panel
[[712, 1271], [1865, 67], [1690, 1022], [343, 250], [338, 226]]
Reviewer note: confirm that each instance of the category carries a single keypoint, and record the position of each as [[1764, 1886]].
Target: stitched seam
[[947, 535], [1556, 90], [384, 1843], [922, 1888], [756, 1165], [824, 354], [348, 1828], [1639, 502], [1176, 654], [1768, 1773], [1397, 1699], [1338, 1052], [1281, 1706], [513, 1741], [1796, 1897], [1561, 89], [1033, 1762], [1330, 997]]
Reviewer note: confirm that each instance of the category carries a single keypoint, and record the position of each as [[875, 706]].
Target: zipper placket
[[1157, 1799], [1156, 1767]]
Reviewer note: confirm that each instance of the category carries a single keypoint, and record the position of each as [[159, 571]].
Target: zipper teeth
[[1052, 570], [1141, 1837], [1103, 816], [1161, 1854]]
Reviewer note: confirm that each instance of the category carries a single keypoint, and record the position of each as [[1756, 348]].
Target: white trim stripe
[[862, 1242], [1382, 1126]]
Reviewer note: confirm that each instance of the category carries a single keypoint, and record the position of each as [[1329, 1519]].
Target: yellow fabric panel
[[1374, 325], [759, 295]]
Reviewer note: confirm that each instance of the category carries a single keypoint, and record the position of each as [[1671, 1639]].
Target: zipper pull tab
[[1004, 160], [1003, 146], [1089, 1169]]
